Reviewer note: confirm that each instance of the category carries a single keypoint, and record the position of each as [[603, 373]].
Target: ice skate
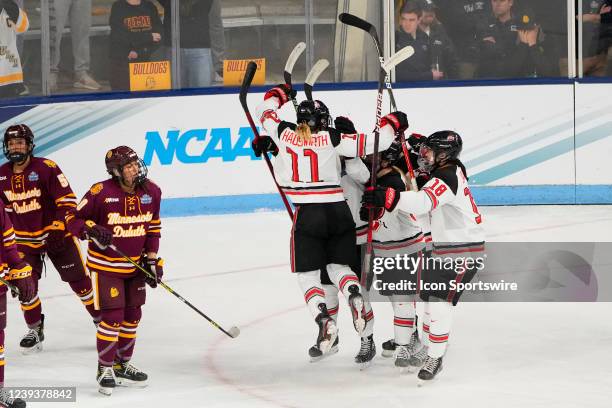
[[7, 401], [388, 348], [430, 370], [31, 342], [328, 332], [357, 309], [129, 376], [317, 355], [106, 380], [366, 352]]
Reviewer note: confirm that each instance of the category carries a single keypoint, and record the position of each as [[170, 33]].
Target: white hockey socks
[[403, 318], [310, 284], [439, 326], [332, 301], [343, 277]]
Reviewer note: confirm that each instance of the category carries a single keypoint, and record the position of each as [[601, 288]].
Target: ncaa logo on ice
[[196, 146]]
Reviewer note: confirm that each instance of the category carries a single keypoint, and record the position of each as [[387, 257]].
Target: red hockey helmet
[[120, 156], [18, 132]]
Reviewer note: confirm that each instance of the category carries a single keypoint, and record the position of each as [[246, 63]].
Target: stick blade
[[249, 74], [234, 332], [316, 71], [398, 57], [352, 20], [293, 57]]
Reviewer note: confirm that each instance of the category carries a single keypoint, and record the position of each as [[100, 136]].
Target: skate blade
[[331, 352], [402, 370], [26, 351], [124, 382], [107, 391], [365, 366], [387, 353]]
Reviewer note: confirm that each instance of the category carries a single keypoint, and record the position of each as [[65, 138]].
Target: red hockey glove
[[344, 125], [397, 120], [381, 197], [264, 144], [283, 92], [155, 268]]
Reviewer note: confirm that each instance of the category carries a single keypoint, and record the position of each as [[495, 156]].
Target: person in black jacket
[[135, 33], [419, 66], [444, 57], [533, 56], [201, 38]]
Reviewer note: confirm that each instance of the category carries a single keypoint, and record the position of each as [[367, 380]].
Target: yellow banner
[[150, 76], [233, 71]]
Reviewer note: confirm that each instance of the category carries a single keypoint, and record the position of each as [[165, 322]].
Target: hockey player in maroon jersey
[[456, 231], [307, 167], [123, 211], [15, 270], [37, 195]]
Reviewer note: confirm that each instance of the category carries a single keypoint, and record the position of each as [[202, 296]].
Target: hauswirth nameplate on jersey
[[233, 71], [150, 76], [498, 272]]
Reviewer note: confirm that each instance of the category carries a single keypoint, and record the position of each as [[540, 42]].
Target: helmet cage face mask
[[18, 132]]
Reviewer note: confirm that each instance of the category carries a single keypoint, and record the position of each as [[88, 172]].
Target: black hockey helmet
[[446, 145], [18, 132], [393, 153], [314, 113], [120, 156]]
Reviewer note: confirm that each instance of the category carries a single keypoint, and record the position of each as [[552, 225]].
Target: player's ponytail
[[304, 133]]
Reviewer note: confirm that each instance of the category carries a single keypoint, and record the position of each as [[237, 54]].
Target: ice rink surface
[[235, 268]]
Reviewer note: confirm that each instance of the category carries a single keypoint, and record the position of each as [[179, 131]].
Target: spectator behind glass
[[79, 13], [443, 54], [135, 33], [202, 40], [419, 66], [593, 52], [605, 36], [11, 74], [460, 19], [534, 56], [498, 39]]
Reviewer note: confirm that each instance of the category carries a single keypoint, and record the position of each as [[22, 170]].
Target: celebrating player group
[[359, 196]]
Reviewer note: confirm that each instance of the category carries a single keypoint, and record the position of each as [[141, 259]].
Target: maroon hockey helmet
[[118, 157], [18, 132]]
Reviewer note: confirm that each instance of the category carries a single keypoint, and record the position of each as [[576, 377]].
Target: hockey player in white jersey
[[397, 233], [456, 230], [307, 168], [355, 175]]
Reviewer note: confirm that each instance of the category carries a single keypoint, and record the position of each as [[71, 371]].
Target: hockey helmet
[[18, 132], [117, 158], [445, 145], [314, 113]]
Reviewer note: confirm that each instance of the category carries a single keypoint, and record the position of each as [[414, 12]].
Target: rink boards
[[523, 144]]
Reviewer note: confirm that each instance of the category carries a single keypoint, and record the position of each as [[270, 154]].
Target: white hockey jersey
[[10, 63], [355, 176], [309, 172], [454, 215]]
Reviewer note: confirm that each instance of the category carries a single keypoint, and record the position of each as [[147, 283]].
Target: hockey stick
[[244, 89], [233, 331], [11, 287], [293, 57], [352, 20], [313, 75]]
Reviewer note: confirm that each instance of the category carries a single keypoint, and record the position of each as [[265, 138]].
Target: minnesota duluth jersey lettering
[[133, 219], [34, 199]]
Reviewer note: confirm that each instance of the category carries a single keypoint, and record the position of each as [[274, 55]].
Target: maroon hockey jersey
[[35, 199], [132, 218], [9, 256]]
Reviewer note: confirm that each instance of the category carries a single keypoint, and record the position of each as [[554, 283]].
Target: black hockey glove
[[264, 144], [364, 213], [381, 197], [283, 92], [415, 141], [344, 125], [98, 234], [155, 267], [397, 120]]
